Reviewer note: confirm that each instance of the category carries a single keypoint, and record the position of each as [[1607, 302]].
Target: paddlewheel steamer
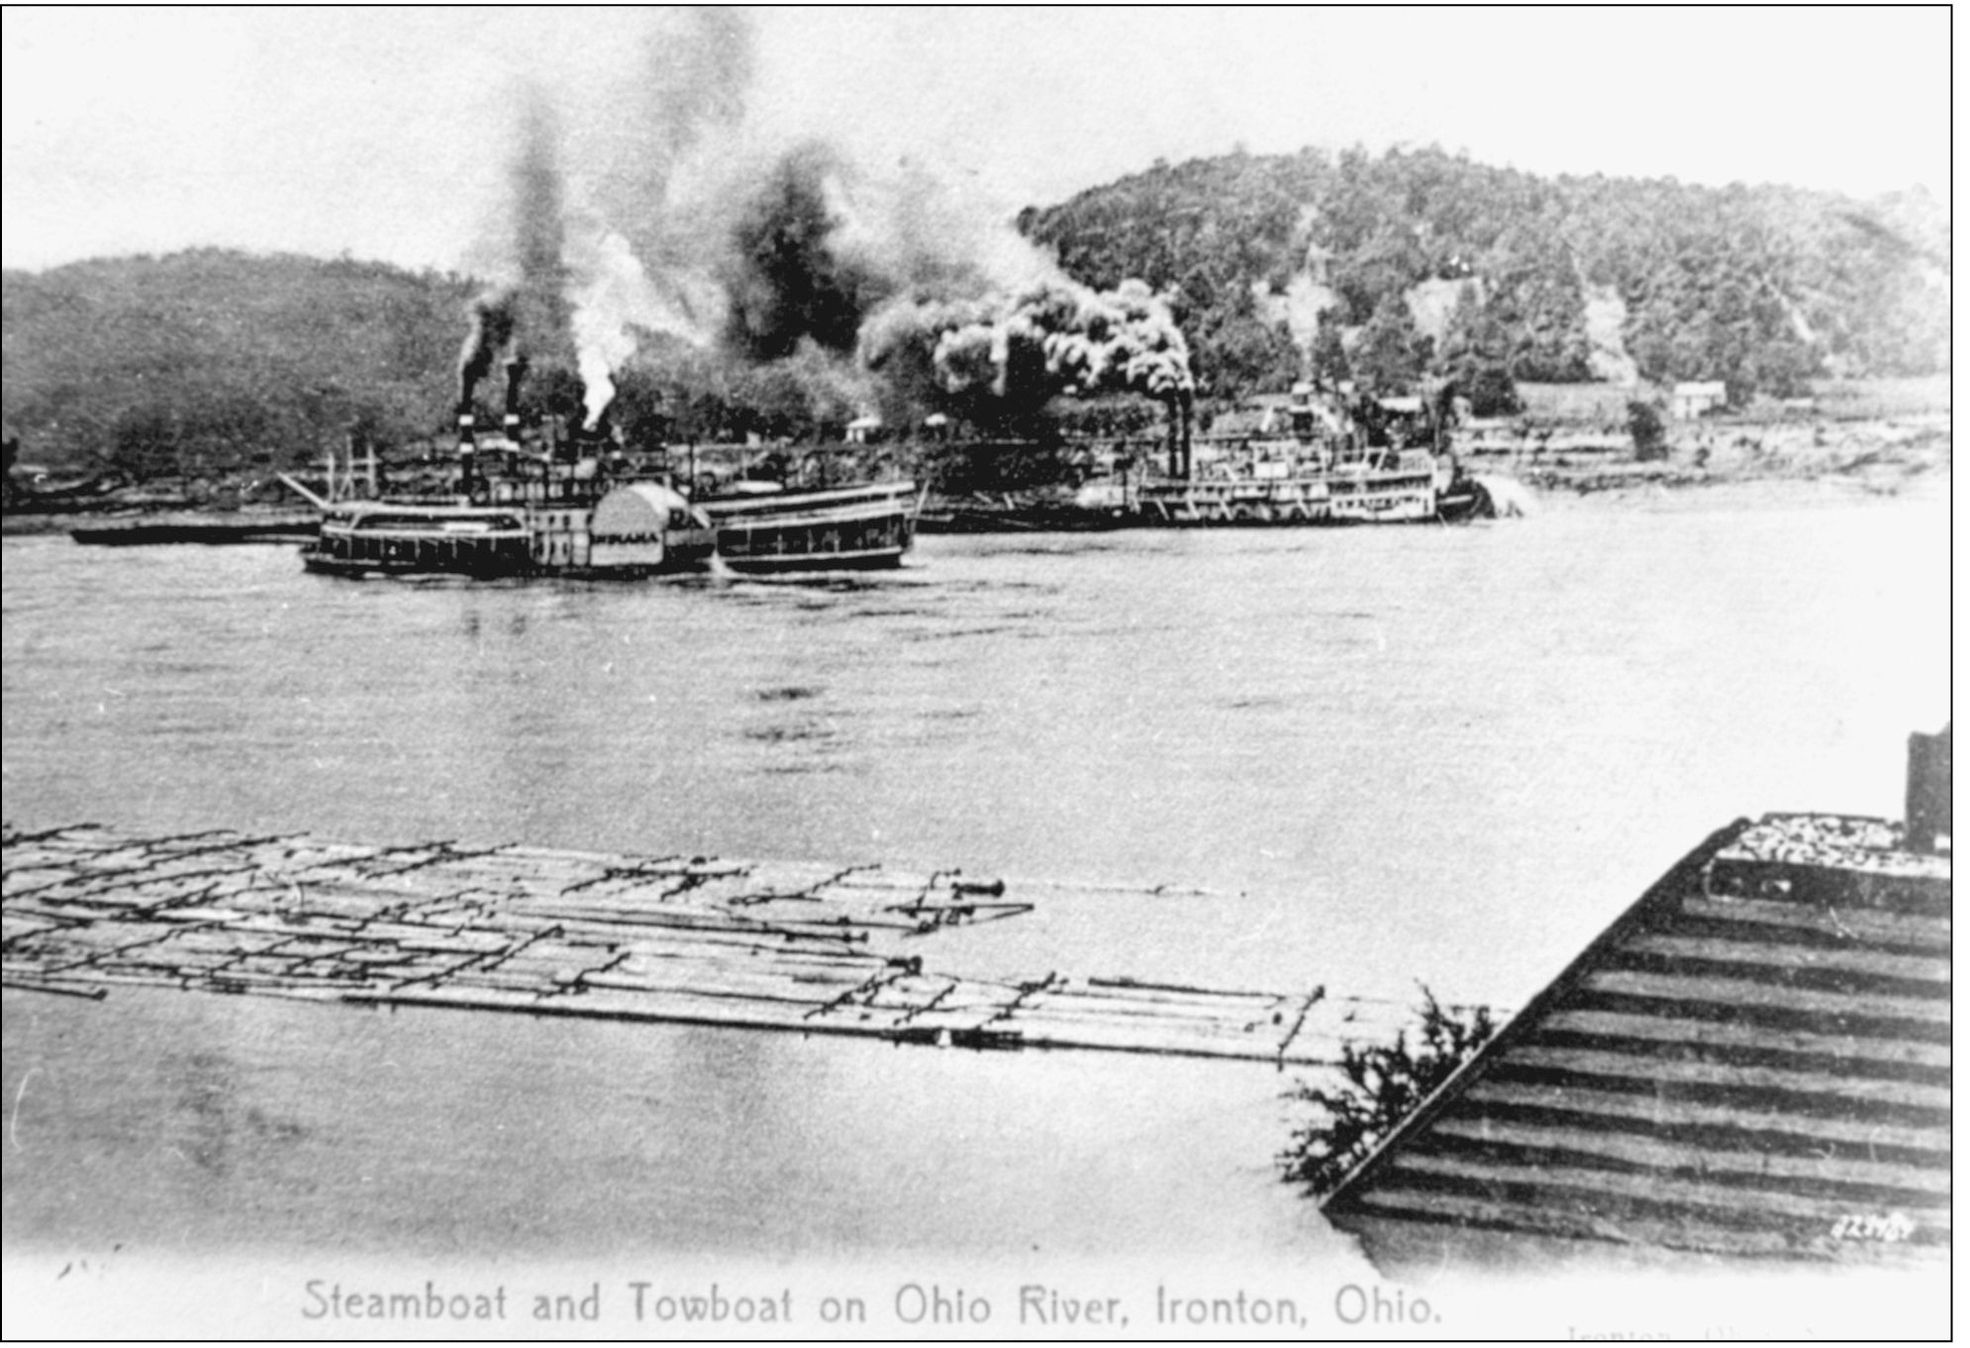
[[1316, 462], [546, 503]]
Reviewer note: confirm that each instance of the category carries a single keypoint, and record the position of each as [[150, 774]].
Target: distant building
[[864, 430], [1692, 400], [1753, 1061]]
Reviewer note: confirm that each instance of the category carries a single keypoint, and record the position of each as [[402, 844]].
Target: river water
[[1392, 756]]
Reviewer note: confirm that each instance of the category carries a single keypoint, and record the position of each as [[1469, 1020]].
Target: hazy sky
[[383, 132]]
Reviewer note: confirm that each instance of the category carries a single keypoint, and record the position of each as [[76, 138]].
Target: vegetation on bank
[[1548, 279], [1414, 267], [1382, 1085]]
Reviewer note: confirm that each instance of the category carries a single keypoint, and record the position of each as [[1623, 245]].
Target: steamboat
[[534, 502], [1315, 461]]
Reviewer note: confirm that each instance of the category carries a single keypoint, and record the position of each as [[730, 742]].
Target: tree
[[1537, 300], [1646, 430], [1390, 263], [1392, 354], [1329, 356], [1381, 1085], [1245, 354], [1475, 358]]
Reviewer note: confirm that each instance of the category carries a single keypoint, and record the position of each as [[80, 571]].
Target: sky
[[383, 133]]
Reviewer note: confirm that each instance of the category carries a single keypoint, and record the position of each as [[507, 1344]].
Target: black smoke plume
[[787, 277], [491, 333], [540, 280], [644, 205]]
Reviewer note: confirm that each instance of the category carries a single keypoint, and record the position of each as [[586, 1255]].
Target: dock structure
[[1752, 1061], [687, 940]]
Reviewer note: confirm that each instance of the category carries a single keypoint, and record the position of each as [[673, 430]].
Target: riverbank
[[1738, 464], [1883, 458]]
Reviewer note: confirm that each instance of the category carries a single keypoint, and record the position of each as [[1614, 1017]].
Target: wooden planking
[[1746, 992], [1775, 955], [1577, 1185], [1740, 1035], [1887, 929], [1685, 1071], [1770, 1127], [1583, 1145], [1720, 1073], [1678, 1230]]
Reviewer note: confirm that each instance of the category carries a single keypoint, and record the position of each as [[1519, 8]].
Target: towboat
[[1318, 462]]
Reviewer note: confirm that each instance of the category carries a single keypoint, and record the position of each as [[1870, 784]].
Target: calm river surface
[[1393, 755]]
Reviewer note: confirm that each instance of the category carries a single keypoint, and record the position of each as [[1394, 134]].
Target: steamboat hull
[[1338, 499], [834, 529], [635, 531]]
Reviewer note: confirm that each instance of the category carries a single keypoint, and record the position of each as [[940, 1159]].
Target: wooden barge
[[1752, 1061], [208, 530]]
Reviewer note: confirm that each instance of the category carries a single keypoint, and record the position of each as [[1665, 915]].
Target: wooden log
[[58, 989]]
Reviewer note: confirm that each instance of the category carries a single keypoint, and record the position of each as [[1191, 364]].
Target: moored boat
[[141, 531], [1327, 461]]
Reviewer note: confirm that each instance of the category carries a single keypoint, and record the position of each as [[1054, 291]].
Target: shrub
[[1383, 1083], [1645, 426]]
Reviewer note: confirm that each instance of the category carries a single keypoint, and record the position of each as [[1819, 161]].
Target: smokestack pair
[[516, 371]]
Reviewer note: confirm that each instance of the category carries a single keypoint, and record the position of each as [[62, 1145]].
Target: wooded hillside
[[1761, 287], [1413, 265], [209, 360]]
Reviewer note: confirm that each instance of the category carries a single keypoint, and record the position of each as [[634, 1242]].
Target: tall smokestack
[[516, 370]]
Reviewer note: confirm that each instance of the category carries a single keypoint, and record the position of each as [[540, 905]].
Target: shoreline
[[1672, 487]]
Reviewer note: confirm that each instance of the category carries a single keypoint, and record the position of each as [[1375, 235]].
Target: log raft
[[809, 949]]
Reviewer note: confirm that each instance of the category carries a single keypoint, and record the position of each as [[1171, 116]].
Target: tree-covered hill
[[216, 359], [1761, 287], [1392, 269]]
